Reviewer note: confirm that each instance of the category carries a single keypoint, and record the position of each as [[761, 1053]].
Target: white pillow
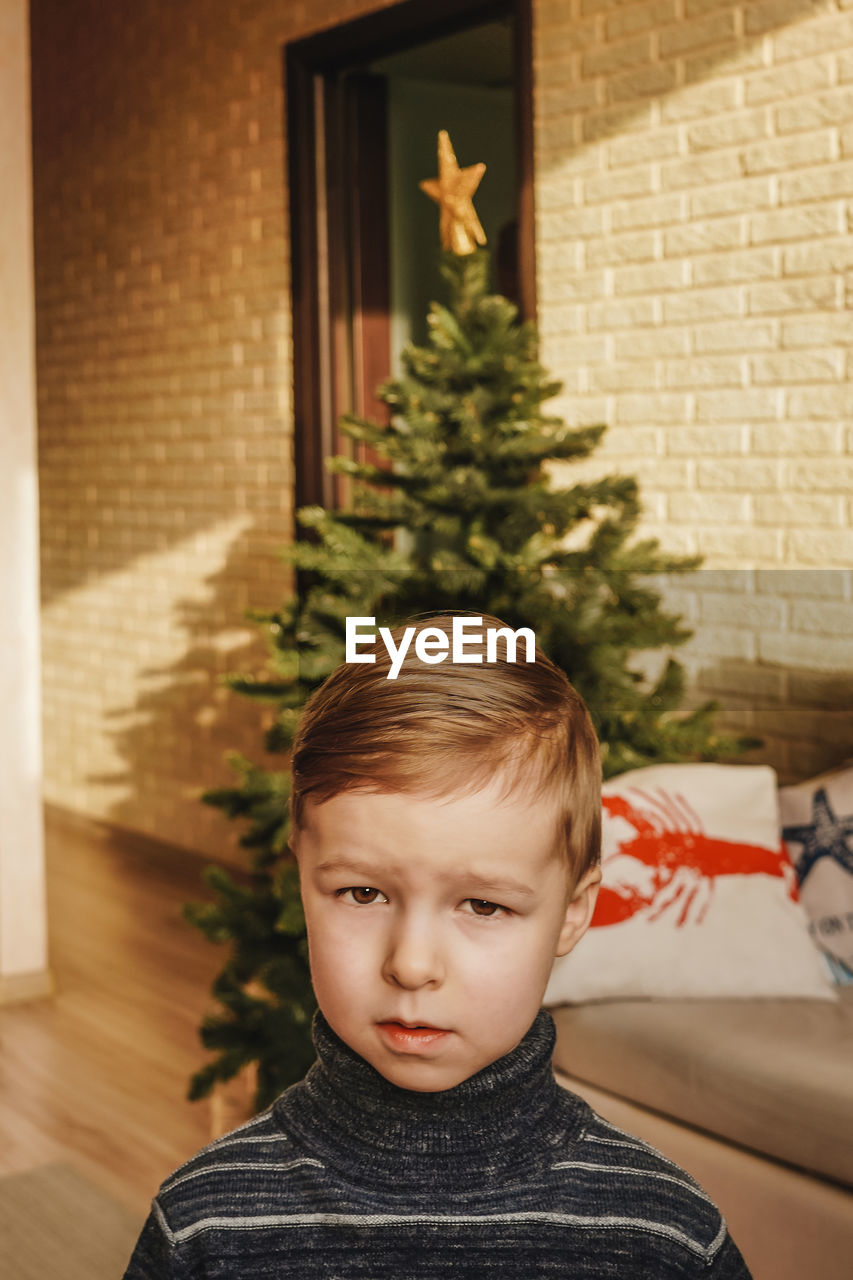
[[817, 826], [698, 897]]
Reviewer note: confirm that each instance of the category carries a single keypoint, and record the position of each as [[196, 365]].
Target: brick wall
[[773, 647], [694, 184], [164, 389], [695, 201]]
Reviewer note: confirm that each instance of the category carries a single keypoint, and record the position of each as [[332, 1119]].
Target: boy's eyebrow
[[500, 886], [471, 879]]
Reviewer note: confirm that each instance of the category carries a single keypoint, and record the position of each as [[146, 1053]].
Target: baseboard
[[16, 988]]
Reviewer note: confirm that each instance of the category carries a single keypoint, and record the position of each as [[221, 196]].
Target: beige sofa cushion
[[775, 1076]]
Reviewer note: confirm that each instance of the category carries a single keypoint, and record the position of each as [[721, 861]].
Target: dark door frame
[[324, 292]]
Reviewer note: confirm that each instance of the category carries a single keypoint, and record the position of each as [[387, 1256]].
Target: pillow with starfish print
[[817, 827], [698, 898]]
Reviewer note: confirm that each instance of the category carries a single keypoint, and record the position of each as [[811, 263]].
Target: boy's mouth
[[408, 1036]]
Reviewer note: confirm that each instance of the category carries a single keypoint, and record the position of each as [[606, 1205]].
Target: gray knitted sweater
[[506, 1175]]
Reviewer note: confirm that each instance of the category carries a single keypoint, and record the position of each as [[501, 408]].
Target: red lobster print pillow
[[698, 894]]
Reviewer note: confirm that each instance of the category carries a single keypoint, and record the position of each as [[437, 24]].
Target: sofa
[[750, 1088], [752, 1097]]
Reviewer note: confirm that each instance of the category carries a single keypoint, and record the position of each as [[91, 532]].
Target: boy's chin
[[424, 1074], [418, 1080]]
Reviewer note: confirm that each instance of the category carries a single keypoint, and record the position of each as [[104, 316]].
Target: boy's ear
[[579, 911]]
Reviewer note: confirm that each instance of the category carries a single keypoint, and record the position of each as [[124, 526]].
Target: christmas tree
[[457, 513]]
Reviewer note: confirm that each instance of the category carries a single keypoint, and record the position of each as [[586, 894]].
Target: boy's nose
[[413, 958]]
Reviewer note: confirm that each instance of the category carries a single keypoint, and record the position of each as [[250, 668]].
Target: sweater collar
[[490, 1124]]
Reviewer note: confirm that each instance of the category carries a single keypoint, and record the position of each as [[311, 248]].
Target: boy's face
[[433, 925]]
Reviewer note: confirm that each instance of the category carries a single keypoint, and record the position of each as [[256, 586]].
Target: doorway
[[365, 104]]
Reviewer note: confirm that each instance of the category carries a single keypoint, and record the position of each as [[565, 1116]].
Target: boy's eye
[[482, 907], [362, 896]]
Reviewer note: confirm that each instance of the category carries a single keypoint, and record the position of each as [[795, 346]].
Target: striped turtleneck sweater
[[349, 1177]]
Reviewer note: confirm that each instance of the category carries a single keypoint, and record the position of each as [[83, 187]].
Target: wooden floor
[[95, 1076]]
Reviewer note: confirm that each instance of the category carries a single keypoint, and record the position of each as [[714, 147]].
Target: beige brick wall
[[773, 647], [695, 203], [164, 389], [694, 187]]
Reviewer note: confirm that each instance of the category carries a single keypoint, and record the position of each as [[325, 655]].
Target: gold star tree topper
[[452, 190]]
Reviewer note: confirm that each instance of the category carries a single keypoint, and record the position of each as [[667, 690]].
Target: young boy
[[446, 823]]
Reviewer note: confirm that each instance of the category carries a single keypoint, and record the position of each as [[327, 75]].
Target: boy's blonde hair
[[445, 730]]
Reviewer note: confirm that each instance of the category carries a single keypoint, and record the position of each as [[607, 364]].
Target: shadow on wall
[[804, 718], [774, 648], [185, 721]]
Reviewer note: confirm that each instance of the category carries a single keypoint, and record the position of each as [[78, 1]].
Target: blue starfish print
[[826, 836]]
